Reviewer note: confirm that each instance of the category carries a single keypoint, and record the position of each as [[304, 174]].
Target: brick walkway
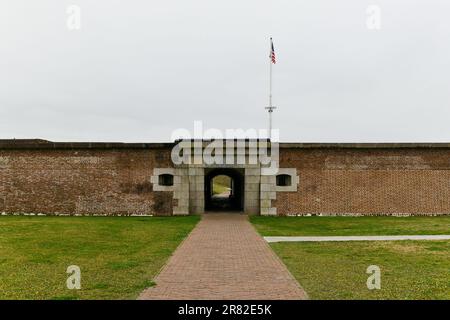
[[224, 258]]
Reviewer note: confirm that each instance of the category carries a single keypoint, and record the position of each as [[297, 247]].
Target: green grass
[[221, 184], [337, 270], [118, 256], [344, 226], [218, 188]]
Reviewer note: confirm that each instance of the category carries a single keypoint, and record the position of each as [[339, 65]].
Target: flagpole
[[270, 77], [270, 108], [270, 98]]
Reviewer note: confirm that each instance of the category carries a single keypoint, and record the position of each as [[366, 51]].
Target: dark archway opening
[[224, 189]]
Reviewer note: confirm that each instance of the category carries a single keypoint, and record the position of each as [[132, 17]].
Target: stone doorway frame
[[260, 190], [189, 188], [196, 187]]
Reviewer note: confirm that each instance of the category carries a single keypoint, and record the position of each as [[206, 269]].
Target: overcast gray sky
[[137, 70]]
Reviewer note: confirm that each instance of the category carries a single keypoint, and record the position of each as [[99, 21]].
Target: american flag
[[272, 52]]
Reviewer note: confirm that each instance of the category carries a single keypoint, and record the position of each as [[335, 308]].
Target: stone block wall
[[252, 187]]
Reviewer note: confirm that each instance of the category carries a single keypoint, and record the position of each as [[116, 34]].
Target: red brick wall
[[86, 181], [365, 181], [332, 181]]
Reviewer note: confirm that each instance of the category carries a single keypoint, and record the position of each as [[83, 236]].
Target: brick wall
[[59, 178], [367, 181], [86, 181]]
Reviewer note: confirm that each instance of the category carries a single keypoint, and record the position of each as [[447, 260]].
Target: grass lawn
[[218, 188], [118, 256], [221, 184], [350, 226], [337, 270]]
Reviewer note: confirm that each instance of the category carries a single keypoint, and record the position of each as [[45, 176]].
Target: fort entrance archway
[[230, 195]]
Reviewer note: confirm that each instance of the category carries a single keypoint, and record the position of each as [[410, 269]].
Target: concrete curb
[[357, 238]]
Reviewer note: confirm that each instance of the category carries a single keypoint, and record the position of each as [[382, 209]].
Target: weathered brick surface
[[364, 181], [85, 181], [115, 179]]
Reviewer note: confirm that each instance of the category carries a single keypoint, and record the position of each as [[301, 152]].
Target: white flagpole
[[270, 108], [270, 75]]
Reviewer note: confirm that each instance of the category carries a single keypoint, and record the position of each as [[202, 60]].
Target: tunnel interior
[[224, 189]]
